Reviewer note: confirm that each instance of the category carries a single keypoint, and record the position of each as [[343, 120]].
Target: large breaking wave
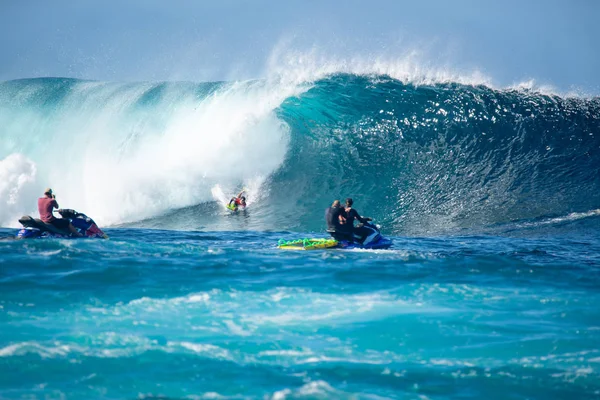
[[123, 152], [421, 158]]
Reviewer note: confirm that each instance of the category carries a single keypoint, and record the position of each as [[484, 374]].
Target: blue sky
[[552, 42]]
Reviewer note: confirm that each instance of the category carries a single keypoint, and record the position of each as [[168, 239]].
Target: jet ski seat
[[339, 236], [30, 222]]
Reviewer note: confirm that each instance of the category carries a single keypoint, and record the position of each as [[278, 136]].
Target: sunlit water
[[170, 314]]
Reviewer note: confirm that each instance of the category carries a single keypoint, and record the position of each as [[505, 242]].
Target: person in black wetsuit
[[351, 215], [335, 216]]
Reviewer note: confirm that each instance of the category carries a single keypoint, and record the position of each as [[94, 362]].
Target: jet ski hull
[[371, 240], [34, 228], [382, 243]]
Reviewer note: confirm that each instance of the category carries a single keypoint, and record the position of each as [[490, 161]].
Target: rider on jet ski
[[335, 216], [340, 223], [46, 205], [360, 232]]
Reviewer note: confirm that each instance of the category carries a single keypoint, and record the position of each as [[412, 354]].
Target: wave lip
[[441, 157]]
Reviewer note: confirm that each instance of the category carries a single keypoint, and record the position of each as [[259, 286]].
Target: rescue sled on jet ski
[[371, 240], [36, 228]]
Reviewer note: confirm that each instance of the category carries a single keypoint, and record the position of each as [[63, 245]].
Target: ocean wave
[[421, 155]]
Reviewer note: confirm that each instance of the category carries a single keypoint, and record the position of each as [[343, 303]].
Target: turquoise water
[[167, 314], [491, 196]]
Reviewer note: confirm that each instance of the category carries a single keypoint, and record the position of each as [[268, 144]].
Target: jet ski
[[371, 238], [36, 228]]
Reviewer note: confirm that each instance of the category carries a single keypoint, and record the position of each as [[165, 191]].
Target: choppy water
[[153, 313]]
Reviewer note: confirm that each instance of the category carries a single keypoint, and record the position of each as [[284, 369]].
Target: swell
[[420, 159], [437, 158]]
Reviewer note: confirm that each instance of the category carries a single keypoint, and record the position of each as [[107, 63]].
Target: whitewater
[[490, 194]]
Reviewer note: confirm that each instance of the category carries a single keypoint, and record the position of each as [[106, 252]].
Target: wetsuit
[[332, 217], [338, 230], [361, 232], [235, 203]]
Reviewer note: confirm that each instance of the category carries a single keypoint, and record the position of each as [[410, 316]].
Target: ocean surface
[[491, 196]]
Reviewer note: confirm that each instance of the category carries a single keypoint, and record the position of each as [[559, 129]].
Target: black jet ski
[[36, 228]]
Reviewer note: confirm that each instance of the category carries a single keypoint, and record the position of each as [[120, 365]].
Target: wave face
[[430, 158], [418, 158]]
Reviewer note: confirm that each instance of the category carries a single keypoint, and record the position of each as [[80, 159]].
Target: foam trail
[[219, 195]]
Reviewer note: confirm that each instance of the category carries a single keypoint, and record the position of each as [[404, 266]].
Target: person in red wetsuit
[[237, 201], [46, 206]]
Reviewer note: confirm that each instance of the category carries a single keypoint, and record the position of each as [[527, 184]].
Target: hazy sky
[[552, 42]]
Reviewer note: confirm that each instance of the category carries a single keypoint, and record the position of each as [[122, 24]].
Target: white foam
[[409, 66], [21, 348], [219, 195], [236, 329], [227, 138], [198, 298], [204, 349], [209, 395], [327, 359], [558, 220], [201, 297], [105, 155], [286, 353], [18, 189], [318, 389], [531, 85], [281, 394]]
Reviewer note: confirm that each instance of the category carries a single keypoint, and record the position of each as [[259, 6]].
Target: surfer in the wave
[[238, 201], [46, 206]]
